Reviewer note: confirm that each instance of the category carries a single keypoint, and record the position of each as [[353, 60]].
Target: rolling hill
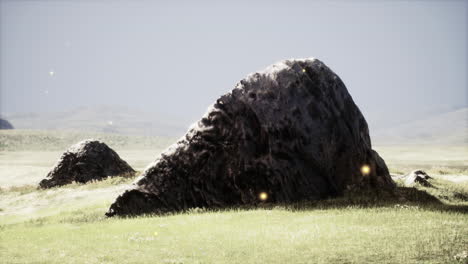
[[450, 128], [107, 119], [446, 128]]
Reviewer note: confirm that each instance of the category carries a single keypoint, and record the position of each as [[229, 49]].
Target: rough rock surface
[[292, 131], [4, 124], [417, 177], [86, 161]]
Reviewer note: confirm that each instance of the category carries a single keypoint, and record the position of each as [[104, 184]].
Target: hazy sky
[[399, 59]]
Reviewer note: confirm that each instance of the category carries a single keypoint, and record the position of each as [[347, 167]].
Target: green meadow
[[67, 224]]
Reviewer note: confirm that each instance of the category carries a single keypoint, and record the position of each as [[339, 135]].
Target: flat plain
[[67, 224]]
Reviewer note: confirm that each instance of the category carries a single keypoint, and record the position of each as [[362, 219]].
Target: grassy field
[[435, 159], [27, 155], [67, 225]]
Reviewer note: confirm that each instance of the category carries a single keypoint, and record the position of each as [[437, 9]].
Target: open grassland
[[67, 224], [435, 159], [40, 140], [412, 227], [27, 155]]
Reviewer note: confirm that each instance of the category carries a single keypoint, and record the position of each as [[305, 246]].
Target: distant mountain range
[[107, 119], [443, 128]]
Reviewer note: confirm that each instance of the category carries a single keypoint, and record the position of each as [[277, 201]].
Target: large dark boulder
[[291, 131], [86, 161], [4, 124]]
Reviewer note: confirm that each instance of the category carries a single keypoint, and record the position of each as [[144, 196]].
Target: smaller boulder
[[4, 124], [417, 177], [86, 161]]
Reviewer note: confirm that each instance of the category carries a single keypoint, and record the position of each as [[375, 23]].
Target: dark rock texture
[[417, 177], [86, 161], [292, 131], [4, 124]]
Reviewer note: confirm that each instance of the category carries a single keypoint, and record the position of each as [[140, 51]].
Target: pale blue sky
[[399, 59]]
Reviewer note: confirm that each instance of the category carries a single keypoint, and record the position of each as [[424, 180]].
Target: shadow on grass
[[444, 197], [402, 197]]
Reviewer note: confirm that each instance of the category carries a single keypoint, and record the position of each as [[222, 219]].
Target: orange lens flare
[[365, 169], [263, 196]]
